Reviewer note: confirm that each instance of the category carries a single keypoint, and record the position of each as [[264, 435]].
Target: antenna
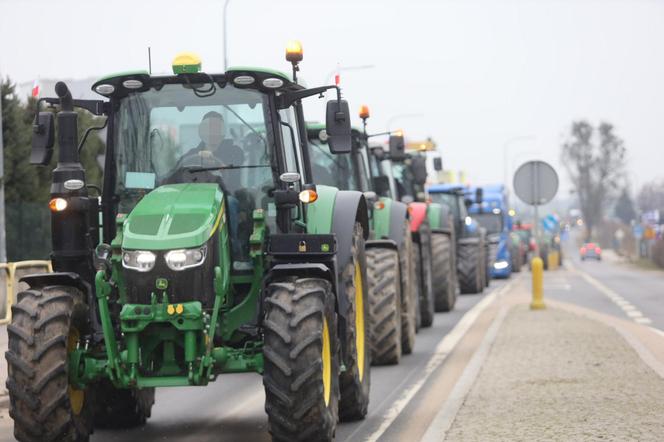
[[149, 60]]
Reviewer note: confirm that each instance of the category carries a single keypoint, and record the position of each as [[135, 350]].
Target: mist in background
[[479, 73]]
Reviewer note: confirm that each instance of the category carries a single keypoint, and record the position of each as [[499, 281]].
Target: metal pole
[[225, 36], [3, 239]]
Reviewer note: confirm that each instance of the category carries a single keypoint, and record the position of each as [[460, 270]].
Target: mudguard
[[336, 211], [388, 221], [418, 213], [59, 278]]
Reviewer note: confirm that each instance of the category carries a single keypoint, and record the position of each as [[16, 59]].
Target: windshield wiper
[[195, 169]]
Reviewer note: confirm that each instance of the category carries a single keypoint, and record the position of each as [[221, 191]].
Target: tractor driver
[[216, 149]]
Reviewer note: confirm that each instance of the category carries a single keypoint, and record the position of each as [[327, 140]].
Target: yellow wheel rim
[[327, 364], [359, 320], [76, 396]]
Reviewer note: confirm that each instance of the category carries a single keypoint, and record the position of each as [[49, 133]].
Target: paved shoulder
[[553, 375]]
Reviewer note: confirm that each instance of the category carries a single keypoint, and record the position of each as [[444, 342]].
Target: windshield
[[163, 136], [331, 170], [403, 180], [490, 221], [448, 200]]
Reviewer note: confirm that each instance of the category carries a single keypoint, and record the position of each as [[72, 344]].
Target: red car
[[590, 251]]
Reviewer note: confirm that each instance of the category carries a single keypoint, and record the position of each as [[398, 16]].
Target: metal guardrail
[[11, 284]]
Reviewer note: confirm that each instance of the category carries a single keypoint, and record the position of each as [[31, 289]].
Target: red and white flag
[[35, 89]]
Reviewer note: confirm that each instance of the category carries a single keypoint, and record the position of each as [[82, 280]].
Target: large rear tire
[[121, 408], [301, 351], [46, 327], [470, 265], [385, 300], [355, 381], [409, 293], [444, 273]]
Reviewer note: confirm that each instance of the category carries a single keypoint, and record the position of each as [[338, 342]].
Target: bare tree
[[651, 196], [595, 161]]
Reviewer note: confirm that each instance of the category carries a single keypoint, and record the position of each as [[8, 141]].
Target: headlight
[[139, 260], [185, 258], [499, 265]]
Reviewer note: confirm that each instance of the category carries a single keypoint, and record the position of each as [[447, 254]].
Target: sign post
[[536, 183]]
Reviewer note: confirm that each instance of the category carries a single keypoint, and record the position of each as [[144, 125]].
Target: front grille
[[195, 284]]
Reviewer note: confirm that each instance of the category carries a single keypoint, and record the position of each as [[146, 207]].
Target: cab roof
[[147, 81]]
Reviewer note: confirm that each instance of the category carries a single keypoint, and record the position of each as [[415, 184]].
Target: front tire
[[46, 327], [355, 381], [301, 351], [444, 275]]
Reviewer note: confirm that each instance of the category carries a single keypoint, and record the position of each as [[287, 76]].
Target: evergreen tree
[[624, 209]]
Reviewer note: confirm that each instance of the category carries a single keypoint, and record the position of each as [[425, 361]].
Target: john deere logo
[[162, 283]]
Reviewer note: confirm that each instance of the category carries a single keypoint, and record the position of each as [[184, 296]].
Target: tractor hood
[[175, 216]]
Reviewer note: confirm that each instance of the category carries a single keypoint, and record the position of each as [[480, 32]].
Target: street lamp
[[225, 35]]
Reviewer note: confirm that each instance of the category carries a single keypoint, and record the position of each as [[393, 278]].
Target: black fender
[[40, 280], [398, 216], [349, 207], [310, 269], [381, 243]]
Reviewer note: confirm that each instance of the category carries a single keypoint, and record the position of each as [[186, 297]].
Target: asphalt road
[[231, 409], [610, 287]]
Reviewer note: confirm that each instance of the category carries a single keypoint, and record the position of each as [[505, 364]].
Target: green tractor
[[216, 253], [404, 177], [471, 245], [390, 269]]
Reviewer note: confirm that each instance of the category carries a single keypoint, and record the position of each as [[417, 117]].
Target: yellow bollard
[[538, 282]]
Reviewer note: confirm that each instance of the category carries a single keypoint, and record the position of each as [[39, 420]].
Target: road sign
[[637, 231], [535, 183]]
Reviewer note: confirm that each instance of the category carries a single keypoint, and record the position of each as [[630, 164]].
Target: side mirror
[[337, 126], [437, 164], [418, 166], [381, 185], [397, 148], [468, 202], [43, 138], [479, 194]]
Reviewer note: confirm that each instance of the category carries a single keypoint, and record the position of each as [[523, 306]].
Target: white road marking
[[624, 305], [443, 349], [442, 422]]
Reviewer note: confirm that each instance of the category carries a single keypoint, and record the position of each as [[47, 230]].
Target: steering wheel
[[202, 158]]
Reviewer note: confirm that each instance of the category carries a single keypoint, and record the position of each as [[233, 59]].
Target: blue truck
[[488, 205]]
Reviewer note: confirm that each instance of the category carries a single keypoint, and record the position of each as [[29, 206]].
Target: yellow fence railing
[[10, 273]]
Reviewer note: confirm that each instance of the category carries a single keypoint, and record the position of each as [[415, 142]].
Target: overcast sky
[[480, 73]]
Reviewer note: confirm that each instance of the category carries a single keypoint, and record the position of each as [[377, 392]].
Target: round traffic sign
[[535, 183]]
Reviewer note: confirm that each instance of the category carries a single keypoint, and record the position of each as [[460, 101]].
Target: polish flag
[[35, 89]]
